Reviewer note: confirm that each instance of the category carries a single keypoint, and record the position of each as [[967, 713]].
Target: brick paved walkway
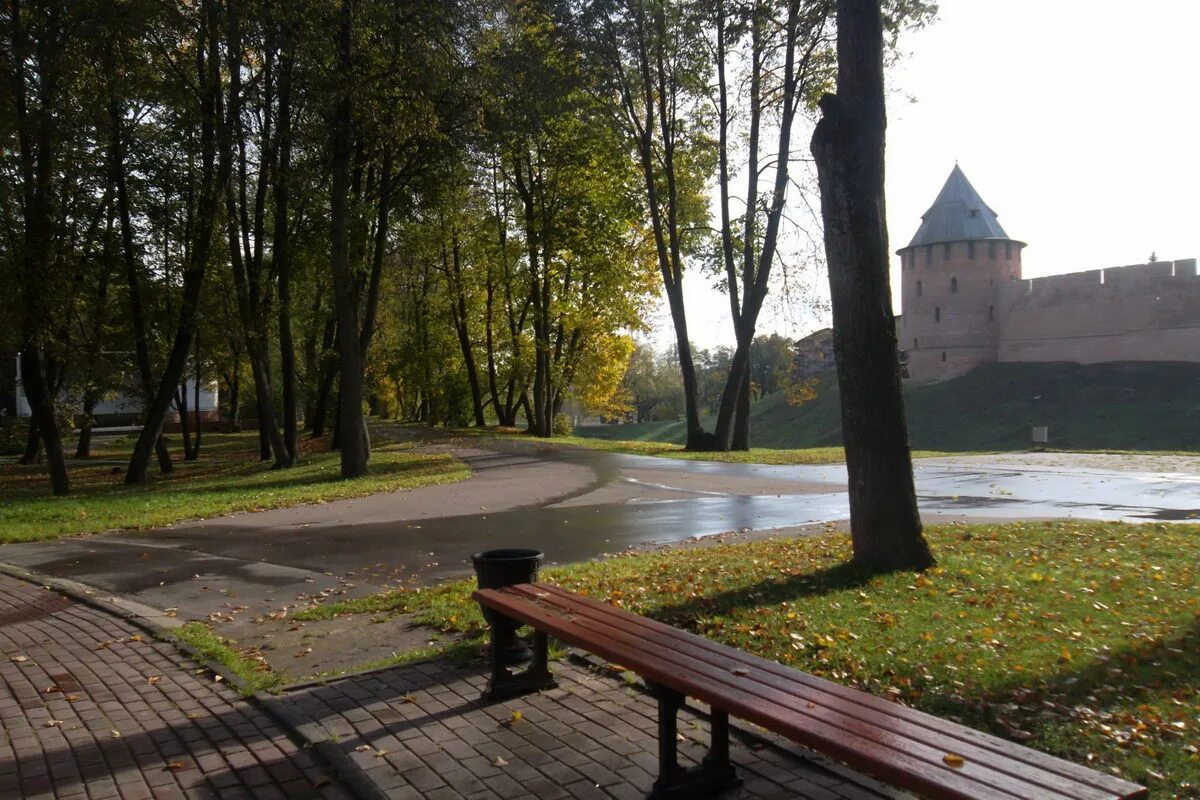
[[91, 707], [419, 731]]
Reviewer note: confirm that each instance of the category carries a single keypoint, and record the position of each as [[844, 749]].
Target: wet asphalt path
[[571, 504]]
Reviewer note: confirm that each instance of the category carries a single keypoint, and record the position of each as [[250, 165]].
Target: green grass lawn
[[1079, 639], [227, 478]]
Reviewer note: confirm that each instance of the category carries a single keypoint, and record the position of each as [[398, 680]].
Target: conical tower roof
[[957, 215]]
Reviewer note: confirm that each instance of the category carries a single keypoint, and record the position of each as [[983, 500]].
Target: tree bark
[[350, 417], [848, 146]]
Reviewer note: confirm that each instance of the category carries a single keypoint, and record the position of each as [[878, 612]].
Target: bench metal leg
[[713, 776], [504, 683]]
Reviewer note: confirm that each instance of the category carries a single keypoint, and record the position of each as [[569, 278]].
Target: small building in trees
[[813, 355], [122, 408]]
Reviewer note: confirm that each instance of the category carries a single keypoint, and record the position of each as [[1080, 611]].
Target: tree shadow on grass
[[1139, 689], [817, 583]]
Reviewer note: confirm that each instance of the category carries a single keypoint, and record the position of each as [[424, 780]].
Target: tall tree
[[35, 70], [213, 175], [783, 39], [848, 145], [354, 451], [653, 55]]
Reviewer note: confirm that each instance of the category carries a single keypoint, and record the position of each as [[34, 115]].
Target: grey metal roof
[[958, 214]]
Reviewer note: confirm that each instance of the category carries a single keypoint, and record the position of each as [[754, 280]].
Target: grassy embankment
[[1082, 640], [649, 447], [1099, 407], [227, 478]]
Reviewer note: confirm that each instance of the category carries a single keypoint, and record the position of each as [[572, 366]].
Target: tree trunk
[[848, 147], [282, 253], [464, 335], [741, 420], [37, 392], [181, 405], [212, 179], [235, 394], [247, 265], [137, 313], [33, 445], [350, 418], [83, 448], [193, 453]]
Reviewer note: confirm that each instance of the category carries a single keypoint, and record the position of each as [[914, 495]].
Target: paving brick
[[111, 685], [592, 737]]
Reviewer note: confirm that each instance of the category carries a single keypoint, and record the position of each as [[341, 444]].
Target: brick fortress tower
[[951, 275]]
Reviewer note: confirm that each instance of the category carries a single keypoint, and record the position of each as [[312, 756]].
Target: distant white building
[[123, 406]]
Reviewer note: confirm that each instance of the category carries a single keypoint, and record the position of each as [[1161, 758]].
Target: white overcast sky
[[1078, 121]]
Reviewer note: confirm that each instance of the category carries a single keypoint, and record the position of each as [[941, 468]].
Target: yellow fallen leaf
[[154, 679], [174, 766], [54, 723], [953, 760]]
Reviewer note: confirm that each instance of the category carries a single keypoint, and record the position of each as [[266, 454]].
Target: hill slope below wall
[[1116, 406]]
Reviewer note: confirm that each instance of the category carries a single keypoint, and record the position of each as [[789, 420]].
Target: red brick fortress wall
[[1146, 312]]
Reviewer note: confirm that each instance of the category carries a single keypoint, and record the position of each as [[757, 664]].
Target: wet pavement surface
[[571, 504]]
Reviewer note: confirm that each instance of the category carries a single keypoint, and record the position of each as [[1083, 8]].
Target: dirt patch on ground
[[300, 650]]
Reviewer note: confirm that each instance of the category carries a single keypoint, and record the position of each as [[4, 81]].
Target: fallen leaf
[[54, 723], [51, 689], [953, 760], [174, 766], [114, 733], [499, 762], [362, 748], [137, 637], [19, 659], [153, 679], [408, 698]]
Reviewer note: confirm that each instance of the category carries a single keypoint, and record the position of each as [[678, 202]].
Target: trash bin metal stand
[[505, 683]]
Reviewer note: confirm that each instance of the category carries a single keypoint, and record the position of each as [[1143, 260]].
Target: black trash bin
[[495, 569]]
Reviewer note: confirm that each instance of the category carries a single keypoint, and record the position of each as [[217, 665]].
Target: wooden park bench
[[896, 744]]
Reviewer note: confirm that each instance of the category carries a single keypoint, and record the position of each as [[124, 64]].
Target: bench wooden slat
[[965, 783], [962, 740], [782, 699]]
